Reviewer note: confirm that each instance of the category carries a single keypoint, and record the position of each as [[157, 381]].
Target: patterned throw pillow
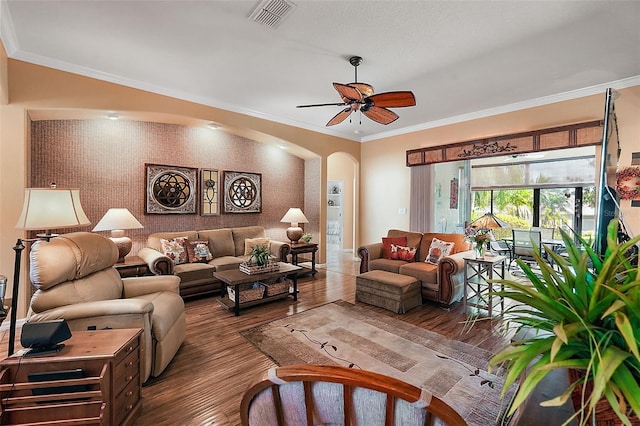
[[407, 254], [175, 249], [386, 245], [199, 251], [249, 243], [438, 250]]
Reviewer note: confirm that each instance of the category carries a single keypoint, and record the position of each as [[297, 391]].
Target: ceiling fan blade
[[320, 105], [380, 115], [393, 99], [339, 117], [347, 92]]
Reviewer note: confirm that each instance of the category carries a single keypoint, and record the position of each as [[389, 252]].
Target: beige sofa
[[227, 247], [76, 281], [442, 283]]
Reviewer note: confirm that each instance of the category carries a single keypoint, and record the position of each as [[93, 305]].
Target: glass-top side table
[[477, 288]]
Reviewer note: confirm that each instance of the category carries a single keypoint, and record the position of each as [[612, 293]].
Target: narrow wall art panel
[[453, 194], [170, 189], [242, 192], [209, 192]]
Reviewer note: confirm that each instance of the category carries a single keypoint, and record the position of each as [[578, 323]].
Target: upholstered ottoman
[[395, 292]]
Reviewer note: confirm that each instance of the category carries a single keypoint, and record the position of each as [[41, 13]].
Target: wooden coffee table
[[235, 277]]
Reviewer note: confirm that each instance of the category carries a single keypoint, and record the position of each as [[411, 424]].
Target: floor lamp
[[43, 208]]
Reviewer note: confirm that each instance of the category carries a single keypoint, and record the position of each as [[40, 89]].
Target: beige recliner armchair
[[76, 281]]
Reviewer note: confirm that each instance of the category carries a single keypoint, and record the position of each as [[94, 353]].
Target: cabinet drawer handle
[[129, 407], [129, 378], [129, 393], [130, 363], [129, 349]]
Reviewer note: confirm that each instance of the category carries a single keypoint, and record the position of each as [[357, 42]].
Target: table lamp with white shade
[[294, 216], [117, 220], [43, 208]]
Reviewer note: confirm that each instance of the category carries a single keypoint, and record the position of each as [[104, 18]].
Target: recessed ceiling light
[[282, 146], [357, 132], [113, 116], [213, 126]]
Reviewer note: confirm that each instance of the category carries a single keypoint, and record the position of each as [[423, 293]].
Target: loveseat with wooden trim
[[227, 246], [442, 283]]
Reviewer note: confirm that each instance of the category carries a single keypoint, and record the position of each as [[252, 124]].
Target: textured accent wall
[[106, 159]]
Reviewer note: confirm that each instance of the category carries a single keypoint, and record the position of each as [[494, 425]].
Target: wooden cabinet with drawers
[[94, 379]]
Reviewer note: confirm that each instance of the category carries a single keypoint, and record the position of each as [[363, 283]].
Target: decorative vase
[[480, 247]]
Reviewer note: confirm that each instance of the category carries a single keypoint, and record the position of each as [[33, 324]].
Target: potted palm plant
[[259, 261], [583, 316], [259, 255]]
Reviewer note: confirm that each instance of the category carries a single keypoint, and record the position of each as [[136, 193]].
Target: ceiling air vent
[[272, 12]]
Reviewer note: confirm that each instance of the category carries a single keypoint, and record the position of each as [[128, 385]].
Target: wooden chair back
[[317, 394]]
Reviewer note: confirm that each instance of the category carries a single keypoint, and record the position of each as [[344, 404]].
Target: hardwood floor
[[204, 383]]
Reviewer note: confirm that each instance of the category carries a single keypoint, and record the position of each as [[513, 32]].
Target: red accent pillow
[[408, 254], [386, 245]]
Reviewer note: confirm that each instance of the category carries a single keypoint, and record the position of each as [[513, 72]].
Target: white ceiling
[[462, 59]]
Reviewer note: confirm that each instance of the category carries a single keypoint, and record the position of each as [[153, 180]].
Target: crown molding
[[545, 100], [178, 94], [7, 32]]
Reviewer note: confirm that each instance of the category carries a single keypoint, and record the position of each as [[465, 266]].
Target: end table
[[132, 266], [478, 271], [299, 248]]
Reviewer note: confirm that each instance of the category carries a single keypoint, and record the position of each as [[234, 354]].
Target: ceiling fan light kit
[[358, 96]]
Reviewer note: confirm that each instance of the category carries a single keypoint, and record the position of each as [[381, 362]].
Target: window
[[532, 190]]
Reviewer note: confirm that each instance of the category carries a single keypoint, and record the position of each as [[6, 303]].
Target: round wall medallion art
[[170, 189], [242, 192]]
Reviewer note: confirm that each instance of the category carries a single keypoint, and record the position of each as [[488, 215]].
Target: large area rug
[[344, 334]]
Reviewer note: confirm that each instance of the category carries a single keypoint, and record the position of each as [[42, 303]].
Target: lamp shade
[[117, 219], [294, 216], [51, 208], [489, 221]]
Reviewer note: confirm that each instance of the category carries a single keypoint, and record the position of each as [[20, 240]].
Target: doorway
[[341, 175]]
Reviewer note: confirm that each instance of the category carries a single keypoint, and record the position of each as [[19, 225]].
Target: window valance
[[570, 136]]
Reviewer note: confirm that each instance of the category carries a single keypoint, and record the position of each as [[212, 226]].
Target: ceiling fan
[[359, 96]]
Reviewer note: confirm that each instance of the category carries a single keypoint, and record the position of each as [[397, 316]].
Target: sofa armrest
[[138, 286], [280, 250], [367, 254], [158, 263], [451, 276]]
